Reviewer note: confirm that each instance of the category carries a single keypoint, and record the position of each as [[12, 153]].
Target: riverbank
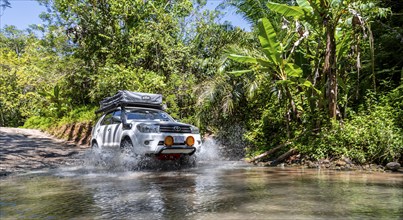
[[341, 164], [23, 150]]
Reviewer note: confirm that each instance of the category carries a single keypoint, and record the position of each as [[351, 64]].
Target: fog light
[[190, 141], [169, 141], [146, 142]]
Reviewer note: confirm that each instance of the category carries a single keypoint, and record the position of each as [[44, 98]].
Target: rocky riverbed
[[28, 149]]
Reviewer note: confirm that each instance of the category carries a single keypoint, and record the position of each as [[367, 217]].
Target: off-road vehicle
[[136, 122]]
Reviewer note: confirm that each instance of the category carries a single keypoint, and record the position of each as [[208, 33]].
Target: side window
[[116, 118], [107, 119], [117, 113]]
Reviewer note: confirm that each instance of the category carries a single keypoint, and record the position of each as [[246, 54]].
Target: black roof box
[[133, 99]]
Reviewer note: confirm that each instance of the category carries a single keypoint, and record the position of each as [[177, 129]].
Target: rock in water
[[312, 164], [394, 166], [340, 163]]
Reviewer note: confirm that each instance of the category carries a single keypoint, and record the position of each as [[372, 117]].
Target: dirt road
[[22, 150]]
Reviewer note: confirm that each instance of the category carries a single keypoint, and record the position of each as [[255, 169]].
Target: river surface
[[214, 189]]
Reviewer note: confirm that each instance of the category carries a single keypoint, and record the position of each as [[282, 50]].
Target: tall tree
[[143, 36], [316, 16]]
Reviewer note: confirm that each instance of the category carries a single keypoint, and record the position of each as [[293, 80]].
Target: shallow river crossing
[[214, 189]]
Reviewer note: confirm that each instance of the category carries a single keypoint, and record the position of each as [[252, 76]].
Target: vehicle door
[[102, 130], [115, 129]]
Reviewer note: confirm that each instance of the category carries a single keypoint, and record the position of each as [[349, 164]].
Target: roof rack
[[127, 98]]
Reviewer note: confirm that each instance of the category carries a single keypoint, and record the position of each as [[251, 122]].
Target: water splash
[[210, 150], [111, 159], [235, 144]]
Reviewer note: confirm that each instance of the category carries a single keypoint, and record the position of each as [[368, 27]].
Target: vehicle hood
[[166, 123]]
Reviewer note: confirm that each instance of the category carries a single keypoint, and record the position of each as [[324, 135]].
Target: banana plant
[[285, 73], [324, 18], [58, 104]]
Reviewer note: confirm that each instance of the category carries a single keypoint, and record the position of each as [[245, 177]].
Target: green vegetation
[[323, 75], [370, 136]]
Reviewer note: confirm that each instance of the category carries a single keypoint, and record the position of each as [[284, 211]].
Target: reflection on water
[[212, 190], [39, 197]]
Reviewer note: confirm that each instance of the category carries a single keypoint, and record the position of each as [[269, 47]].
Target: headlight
[[190, 141], [194, 130], [145, 128], [169, 141]]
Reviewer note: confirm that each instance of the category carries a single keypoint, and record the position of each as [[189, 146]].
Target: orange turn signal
[[190, 141], [169, 141]]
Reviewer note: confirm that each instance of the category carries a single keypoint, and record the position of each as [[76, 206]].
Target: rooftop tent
[[128, 98]]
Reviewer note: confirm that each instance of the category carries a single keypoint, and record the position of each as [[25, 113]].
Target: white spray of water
[[112, 159], [210, 150]]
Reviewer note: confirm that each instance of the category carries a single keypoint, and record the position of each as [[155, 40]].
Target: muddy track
[[22, 150]]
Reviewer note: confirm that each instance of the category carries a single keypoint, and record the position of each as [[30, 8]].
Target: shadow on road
[[26, 149]]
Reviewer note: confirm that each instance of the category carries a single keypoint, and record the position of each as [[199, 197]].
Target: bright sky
[[26, 12], [21, 14]]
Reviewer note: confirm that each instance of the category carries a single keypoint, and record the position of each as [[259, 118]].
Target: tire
[[126, 145], [96, 156], [95, 145], [127, 151]]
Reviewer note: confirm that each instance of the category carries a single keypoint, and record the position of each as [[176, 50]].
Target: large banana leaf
[[293, 70], [286, 10], [240, 72], [308, 84], [264, 63], [268, 40], [305, 5], [242, 59]]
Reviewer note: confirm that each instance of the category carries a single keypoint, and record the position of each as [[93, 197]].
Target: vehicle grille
[[174, 129]]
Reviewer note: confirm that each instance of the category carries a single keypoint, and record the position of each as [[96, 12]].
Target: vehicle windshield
[[147, 114]]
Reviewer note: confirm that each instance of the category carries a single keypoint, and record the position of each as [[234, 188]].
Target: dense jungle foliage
[[324, 75]]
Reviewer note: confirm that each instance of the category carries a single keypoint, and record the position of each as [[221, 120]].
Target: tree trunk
[[285, 156], [267, 153], [329, 69]]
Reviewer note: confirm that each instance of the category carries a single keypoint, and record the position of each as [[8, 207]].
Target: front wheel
[[126, 146], [130, 158], [95, 147]]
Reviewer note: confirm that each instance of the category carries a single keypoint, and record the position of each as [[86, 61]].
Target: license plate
[[179, 139]]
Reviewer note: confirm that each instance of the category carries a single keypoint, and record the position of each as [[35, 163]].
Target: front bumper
[[172, 153], [153, 144], [177, 150]]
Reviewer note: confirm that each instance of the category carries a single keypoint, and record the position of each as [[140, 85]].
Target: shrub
[[365, 138], [79, 114], [38, 122], [267, 132]]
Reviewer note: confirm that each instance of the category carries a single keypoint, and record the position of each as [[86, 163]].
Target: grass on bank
[[44, 123]]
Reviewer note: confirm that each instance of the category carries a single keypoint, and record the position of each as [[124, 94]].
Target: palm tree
[[321, 19]]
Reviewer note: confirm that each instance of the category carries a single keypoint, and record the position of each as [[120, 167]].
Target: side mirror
[[116, 119], [127, 126]]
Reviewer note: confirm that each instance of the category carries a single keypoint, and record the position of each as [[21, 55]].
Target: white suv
[[135, 122]]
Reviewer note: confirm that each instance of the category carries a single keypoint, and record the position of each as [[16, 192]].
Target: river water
[[214, 189]]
